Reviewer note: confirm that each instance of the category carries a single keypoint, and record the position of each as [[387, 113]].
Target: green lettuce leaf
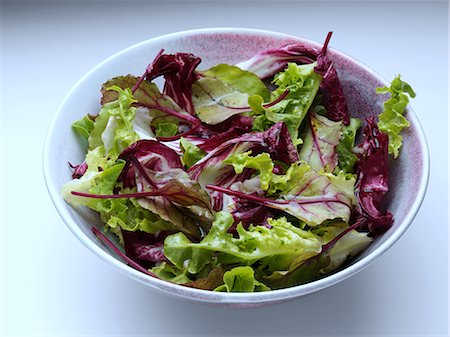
[[262, 162], [303, 83], [319, 146], [391, 120], [84, 126], [326, 261], [149, 95], [274, 247], [166, 129], [191, 152], [117, 214], [241, 279], [346, 158], [350, 245], [223, 88], [168, 272], [113, 127]]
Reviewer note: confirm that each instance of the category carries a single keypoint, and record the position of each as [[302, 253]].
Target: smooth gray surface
[[51, 284]]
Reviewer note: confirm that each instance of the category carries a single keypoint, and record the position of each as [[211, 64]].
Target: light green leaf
[[346, 158], [274, 247], [84, 126], [222, 89], [391, 120], [165, 129], [303, 83], [191, 152], [262, 162], [113, 127], [241, 279], [169, 272]]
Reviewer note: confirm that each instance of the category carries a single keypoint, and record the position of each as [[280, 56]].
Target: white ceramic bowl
[[408, 175]]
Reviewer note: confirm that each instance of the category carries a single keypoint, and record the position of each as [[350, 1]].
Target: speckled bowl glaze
[[408, 175]]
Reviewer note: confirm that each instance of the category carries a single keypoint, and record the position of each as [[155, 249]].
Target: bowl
[[408, 175]]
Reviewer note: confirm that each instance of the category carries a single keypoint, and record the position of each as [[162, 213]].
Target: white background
[[51, 284]]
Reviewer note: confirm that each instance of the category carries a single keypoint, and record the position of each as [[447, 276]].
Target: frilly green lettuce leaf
[[303, 84], [274, 247], [168, 272], [84, 126], [223, 88], [113, 127], [346, 158], [241, 279], [191, 152], [319, 145], [262, 162], [391, 120], [149, 98], [126, 214], [328, 260]]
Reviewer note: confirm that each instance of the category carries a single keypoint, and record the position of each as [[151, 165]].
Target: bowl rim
[[207, 295]]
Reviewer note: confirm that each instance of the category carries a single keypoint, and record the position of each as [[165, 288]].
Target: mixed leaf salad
[[238, 178]]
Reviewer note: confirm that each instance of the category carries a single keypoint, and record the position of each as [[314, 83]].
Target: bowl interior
[[407, 176]]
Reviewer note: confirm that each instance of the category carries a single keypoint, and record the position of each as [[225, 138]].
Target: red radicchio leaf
[[151, 155], [337, 105], [78, 170], [372, 182], [144, 247], [124, 257], [179, 73]]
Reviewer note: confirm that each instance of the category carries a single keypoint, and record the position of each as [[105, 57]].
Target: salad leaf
[[372, 181], [97, 179], [241, 279], [331, 86], [346, 157], [150, 154], [391, 120], [211, 281], [302, 83], [319, 147], [166, 129], [223, 88], [313, 199], [275, 141], [179, 74], [269, 62], [154, 108], [262, 162], [274, 247], [333, 253], [191, 152], [78, 170], [113, 127], [83, 126], [168, 272], [350, 245]]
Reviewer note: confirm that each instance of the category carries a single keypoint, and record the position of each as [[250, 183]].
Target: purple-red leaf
[[149, 154], [78, 170], [179, 73], [331, 86], [372, 182], [144, 247]]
